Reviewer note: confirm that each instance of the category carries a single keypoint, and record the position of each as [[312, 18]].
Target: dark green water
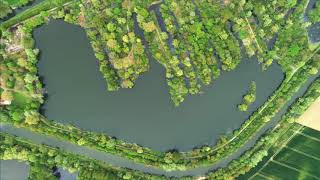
[[144, 115]]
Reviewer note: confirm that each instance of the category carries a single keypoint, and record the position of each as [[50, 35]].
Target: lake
[[145, 114]]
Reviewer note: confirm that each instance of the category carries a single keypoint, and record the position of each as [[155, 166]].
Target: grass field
[[312, 133], [297, 159], [300, 161], [307, 146], [280, 172]]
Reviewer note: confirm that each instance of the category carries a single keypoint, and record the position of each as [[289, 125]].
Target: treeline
[[42, 158], [292, 43], [191, 44], [217, 21], [121, 48], [277, 31]]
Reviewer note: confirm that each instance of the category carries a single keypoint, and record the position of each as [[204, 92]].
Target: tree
[[32, 117], [7, 96], [29, 78], [17, 115], [4, 10], [22, 62], [243, 107]]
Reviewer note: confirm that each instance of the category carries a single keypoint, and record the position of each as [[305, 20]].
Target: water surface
[[144, 114], [13, 170]]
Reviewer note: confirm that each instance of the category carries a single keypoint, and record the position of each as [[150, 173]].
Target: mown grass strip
[[260, 177]]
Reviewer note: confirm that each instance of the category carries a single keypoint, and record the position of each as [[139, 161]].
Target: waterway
[[145, 114]]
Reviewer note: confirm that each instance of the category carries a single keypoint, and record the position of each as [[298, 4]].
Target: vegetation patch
[[249, 98]]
